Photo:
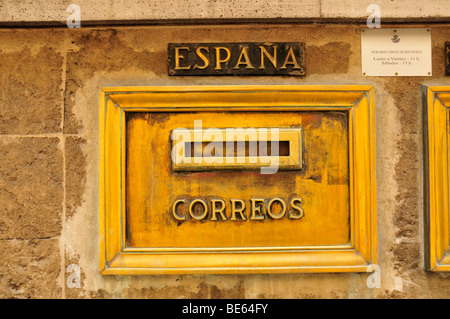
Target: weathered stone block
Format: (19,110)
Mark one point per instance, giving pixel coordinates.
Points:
(31,188)
(29,268)
(31,97)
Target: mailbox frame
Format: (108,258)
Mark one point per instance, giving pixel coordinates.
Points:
(357,256)
(436,174)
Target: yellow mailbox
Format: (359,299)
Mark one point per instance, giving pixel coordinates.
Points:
(237,179)
(436,168)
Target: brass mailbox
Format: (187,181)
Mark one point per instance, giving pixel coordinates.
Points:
(436,168)
(292,189)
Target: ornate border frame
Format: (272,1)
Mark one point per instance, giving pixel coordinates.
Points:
(357,256)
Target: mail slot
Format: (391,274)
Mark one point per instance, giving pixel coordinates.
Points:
(236,148)
(237,179)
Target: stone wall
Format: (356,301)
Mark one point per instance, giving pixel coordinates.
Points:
(50,79)
(53,12)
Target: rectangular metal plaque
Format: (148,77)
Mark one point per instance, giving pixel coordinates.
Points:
(396,52)
(180,195)
(285,58)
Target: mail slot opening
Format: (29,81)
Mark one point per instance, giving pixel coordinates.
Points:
(241,149)
(237,148)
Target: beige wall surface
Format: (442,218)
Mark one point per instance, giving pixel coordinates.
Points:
(133,11)
(50,79)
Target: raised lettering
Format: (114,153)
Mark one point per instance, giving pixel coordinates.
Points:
(293,60)
(203,57)
(257,209)
(179,57)
(246,62)
(174,208)
(214,210)
(234,210)
(299,209)
(283,209)
(272,58)
(219,60)
(205,209)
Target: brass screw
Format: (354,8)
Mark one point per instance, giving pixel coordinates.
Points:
(396,73)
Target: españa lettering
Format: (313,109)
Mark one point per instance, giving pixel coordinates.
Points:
(236,59)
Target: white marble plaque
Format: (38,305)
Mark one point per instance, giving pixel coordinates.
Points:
(396,52)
